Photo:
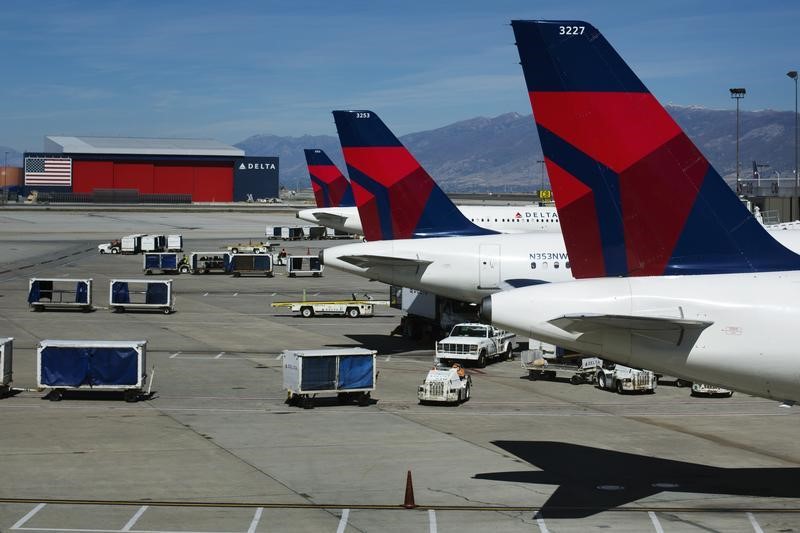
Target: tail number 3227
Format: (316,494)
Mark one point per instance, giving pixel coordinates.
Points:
(571,30)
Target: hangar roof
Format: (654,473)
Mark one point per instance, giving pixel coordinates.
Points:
(138,146)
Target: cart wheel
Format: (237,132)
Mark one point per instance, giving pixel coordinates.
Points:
(291,275)
(131,396)
(307,402)
(363,399)
(257,251)
(576,379)
(148,272)
(166,310)
(620,390)
(317,274)
(56,395)
(307,312)
(234,250)
(343,398)
(681,383)
(353,312)
(237,274)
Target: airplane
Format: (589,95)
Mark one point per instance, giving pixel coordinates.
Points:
(677,276)
(336,207)
(593,480)
(367,142)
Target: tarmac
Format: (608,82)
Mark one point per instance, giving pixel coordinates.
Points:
(216,449)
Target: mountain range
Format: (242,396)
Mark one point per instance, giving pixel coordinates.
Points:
(502,153)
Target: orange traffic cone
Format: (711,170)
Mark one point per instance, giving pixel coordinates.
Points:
(409,501)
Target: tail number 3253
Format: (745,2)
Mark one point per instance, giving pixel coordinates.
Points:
(571,30)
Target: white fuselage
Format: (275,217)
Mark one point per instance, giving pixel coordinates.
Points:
(750,345)
(503,219)
(469,268)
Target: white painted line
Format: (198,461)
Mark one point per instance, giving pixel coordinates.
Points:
(67,530)
(21,521)
(220,354)
(279,356)
(656,523)
(274,294)
(388,358)
(173,356)
(134,518)
(343,521)
(206,294)
(432,521)
(236,294)
(256,520)
(540,522)
(753,522)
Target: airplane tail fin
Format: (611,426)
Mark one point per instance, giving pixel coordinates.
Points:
(396,197)
(331,188)
(635,196)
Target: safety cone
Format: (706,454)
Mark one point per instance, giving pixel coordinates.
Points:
(409,501)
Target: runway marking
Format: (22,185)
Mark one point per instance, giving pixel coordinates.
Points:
(279,356)
(256,520)
(343,521)
(236,294)
(220,354)
(388,358)
(134,518)
(756,527)
(206,294)
(540,522)
(656,523)
(432,521)
(21,522)
(173,356)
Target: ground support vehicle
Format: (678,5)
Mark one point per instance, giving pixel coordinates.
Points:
(251,248)
(60,293)
(154,243)
(579,370)
(348,308)
(125,294)
(63,365)
(304,265)
(625,379)
(313,233)
(132,244)
(331,233)
(475,343)
(704,389)
(350,373)
(6,365)
(286,233)
(428,316)
(174,243)
(165,263)
(206,262)
(445,385)
(113,247)
(255,263)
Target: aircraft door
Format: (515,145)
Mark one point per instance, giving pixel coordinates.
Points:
(489,266)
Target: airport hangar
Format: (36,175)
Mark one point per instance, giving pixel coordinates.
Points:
(190,170)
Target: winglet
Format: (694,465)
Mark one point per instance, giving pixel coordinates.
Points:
(635,196)
(331,188)
(396,197)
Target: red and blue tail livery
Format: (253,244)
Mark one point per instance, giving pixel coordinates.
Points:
(635,196)
(331,188)
(396,197)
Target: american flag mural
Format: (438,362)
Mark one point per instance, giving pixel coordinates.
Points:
(55,171)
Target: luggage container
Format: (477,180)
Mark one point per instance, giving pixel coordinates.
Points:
(206,262)
(304,265)
(126,294)
(165,263)
(6,360)
(132,244)
(63,365)
(314,233)
(60,293)
(174,243)
(154,243)
(331,233)
(347,372)
(260,264)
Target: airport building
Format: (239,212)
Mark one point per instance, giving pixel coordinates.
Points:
(147,169)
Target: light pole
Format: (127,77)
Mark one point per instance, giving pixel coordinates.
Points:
(793,74)
(541,174)
(737,93)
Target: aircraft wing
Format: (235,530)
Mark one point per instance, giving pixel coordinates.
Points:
(367,261)
(670,330)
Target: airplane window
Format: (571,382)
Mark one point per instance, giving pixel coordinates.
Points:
(555,264)
(544,265)
(533,265)
(566,265)
(495,220)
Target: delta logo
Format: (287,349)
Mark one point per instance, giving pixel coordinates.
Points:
(518,215)
(257,166)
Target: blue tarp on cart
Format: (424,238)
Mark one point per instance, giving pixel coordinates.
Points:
(355,371)
(120,293)
(156,294)
(76,366)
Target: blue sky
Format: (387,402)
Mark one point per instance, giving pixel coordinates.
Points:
(228,70)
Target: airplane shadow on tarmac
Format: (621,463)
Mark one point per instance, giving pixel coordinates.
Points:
(387,344)
(592,480)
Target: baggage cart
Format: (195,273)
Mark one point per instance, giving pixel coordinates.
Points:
(579,370)
(206,262)
(165,263)
(154,243)
(60,293)
(304,265)
(174,243)
(314,233)
(6,362)
(125,294)
(132,244)
(348,308)
(63,365)
(349,373)
(260,264)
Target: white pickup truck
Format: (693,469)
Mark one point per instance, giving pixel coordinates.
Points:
(474,342)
